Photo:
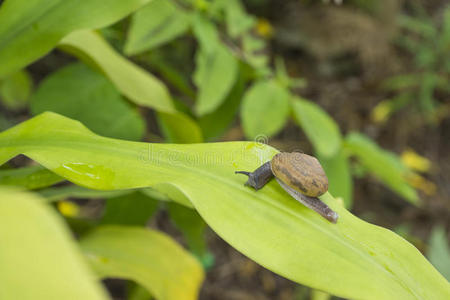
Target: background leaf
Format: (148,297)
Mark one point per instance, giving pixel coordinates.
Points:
(78,92)
(265,109)
(74,191)
(32,27)
(384,165)
(216,68)
(34,177)
(214,76)
(134,208)
(296,242)
(214,124)
(131,80)
(319,127)
(59,272)
(439,251)
(178,128)
(339,176)
(15,89)
(155,24)
(237,20)
(146,256)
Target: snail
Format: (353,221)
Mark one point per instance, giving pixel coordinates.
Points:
(300,175)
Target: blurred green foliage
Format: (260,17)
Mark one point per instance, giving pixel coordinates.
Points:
(429,43)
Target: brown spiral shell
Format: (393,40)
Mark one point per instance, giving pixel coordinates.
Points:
(301,172)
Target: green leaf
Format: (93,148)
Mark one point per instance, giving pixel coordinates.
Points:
(206,33)
(350,259)
(179,128)
(339,176)
(31,28)
(255,53)
(216,123)
(39,258)
(74,191)
(78,92)
(214,76)
(216,68)
(439,251)
(16,89)
(265,109)
(157,23)
(146,256)
(401,82)
(131,80)
(385,165)
(134,208)
(238,21)
(34,177)
(319,127)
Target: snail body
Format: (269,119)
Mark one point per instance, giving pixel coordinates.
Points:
(300,175)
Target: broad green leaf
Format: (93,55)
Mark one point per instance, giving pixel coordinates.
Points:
(130,209)
(319,127)
(216,68)
(31,28)
(146,256)
(34,177)
(15,89)
(189,222)
(385,165)
(339,176)
(80,93)
(265,109)
(131,80)
(350,259)
(439,251)
(39,258)
(155,24)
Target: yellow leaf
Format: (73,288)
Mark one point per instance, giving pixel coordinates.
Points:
(415,161)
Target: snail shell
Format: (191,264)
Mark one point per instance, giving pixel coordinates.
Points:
(301,172)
